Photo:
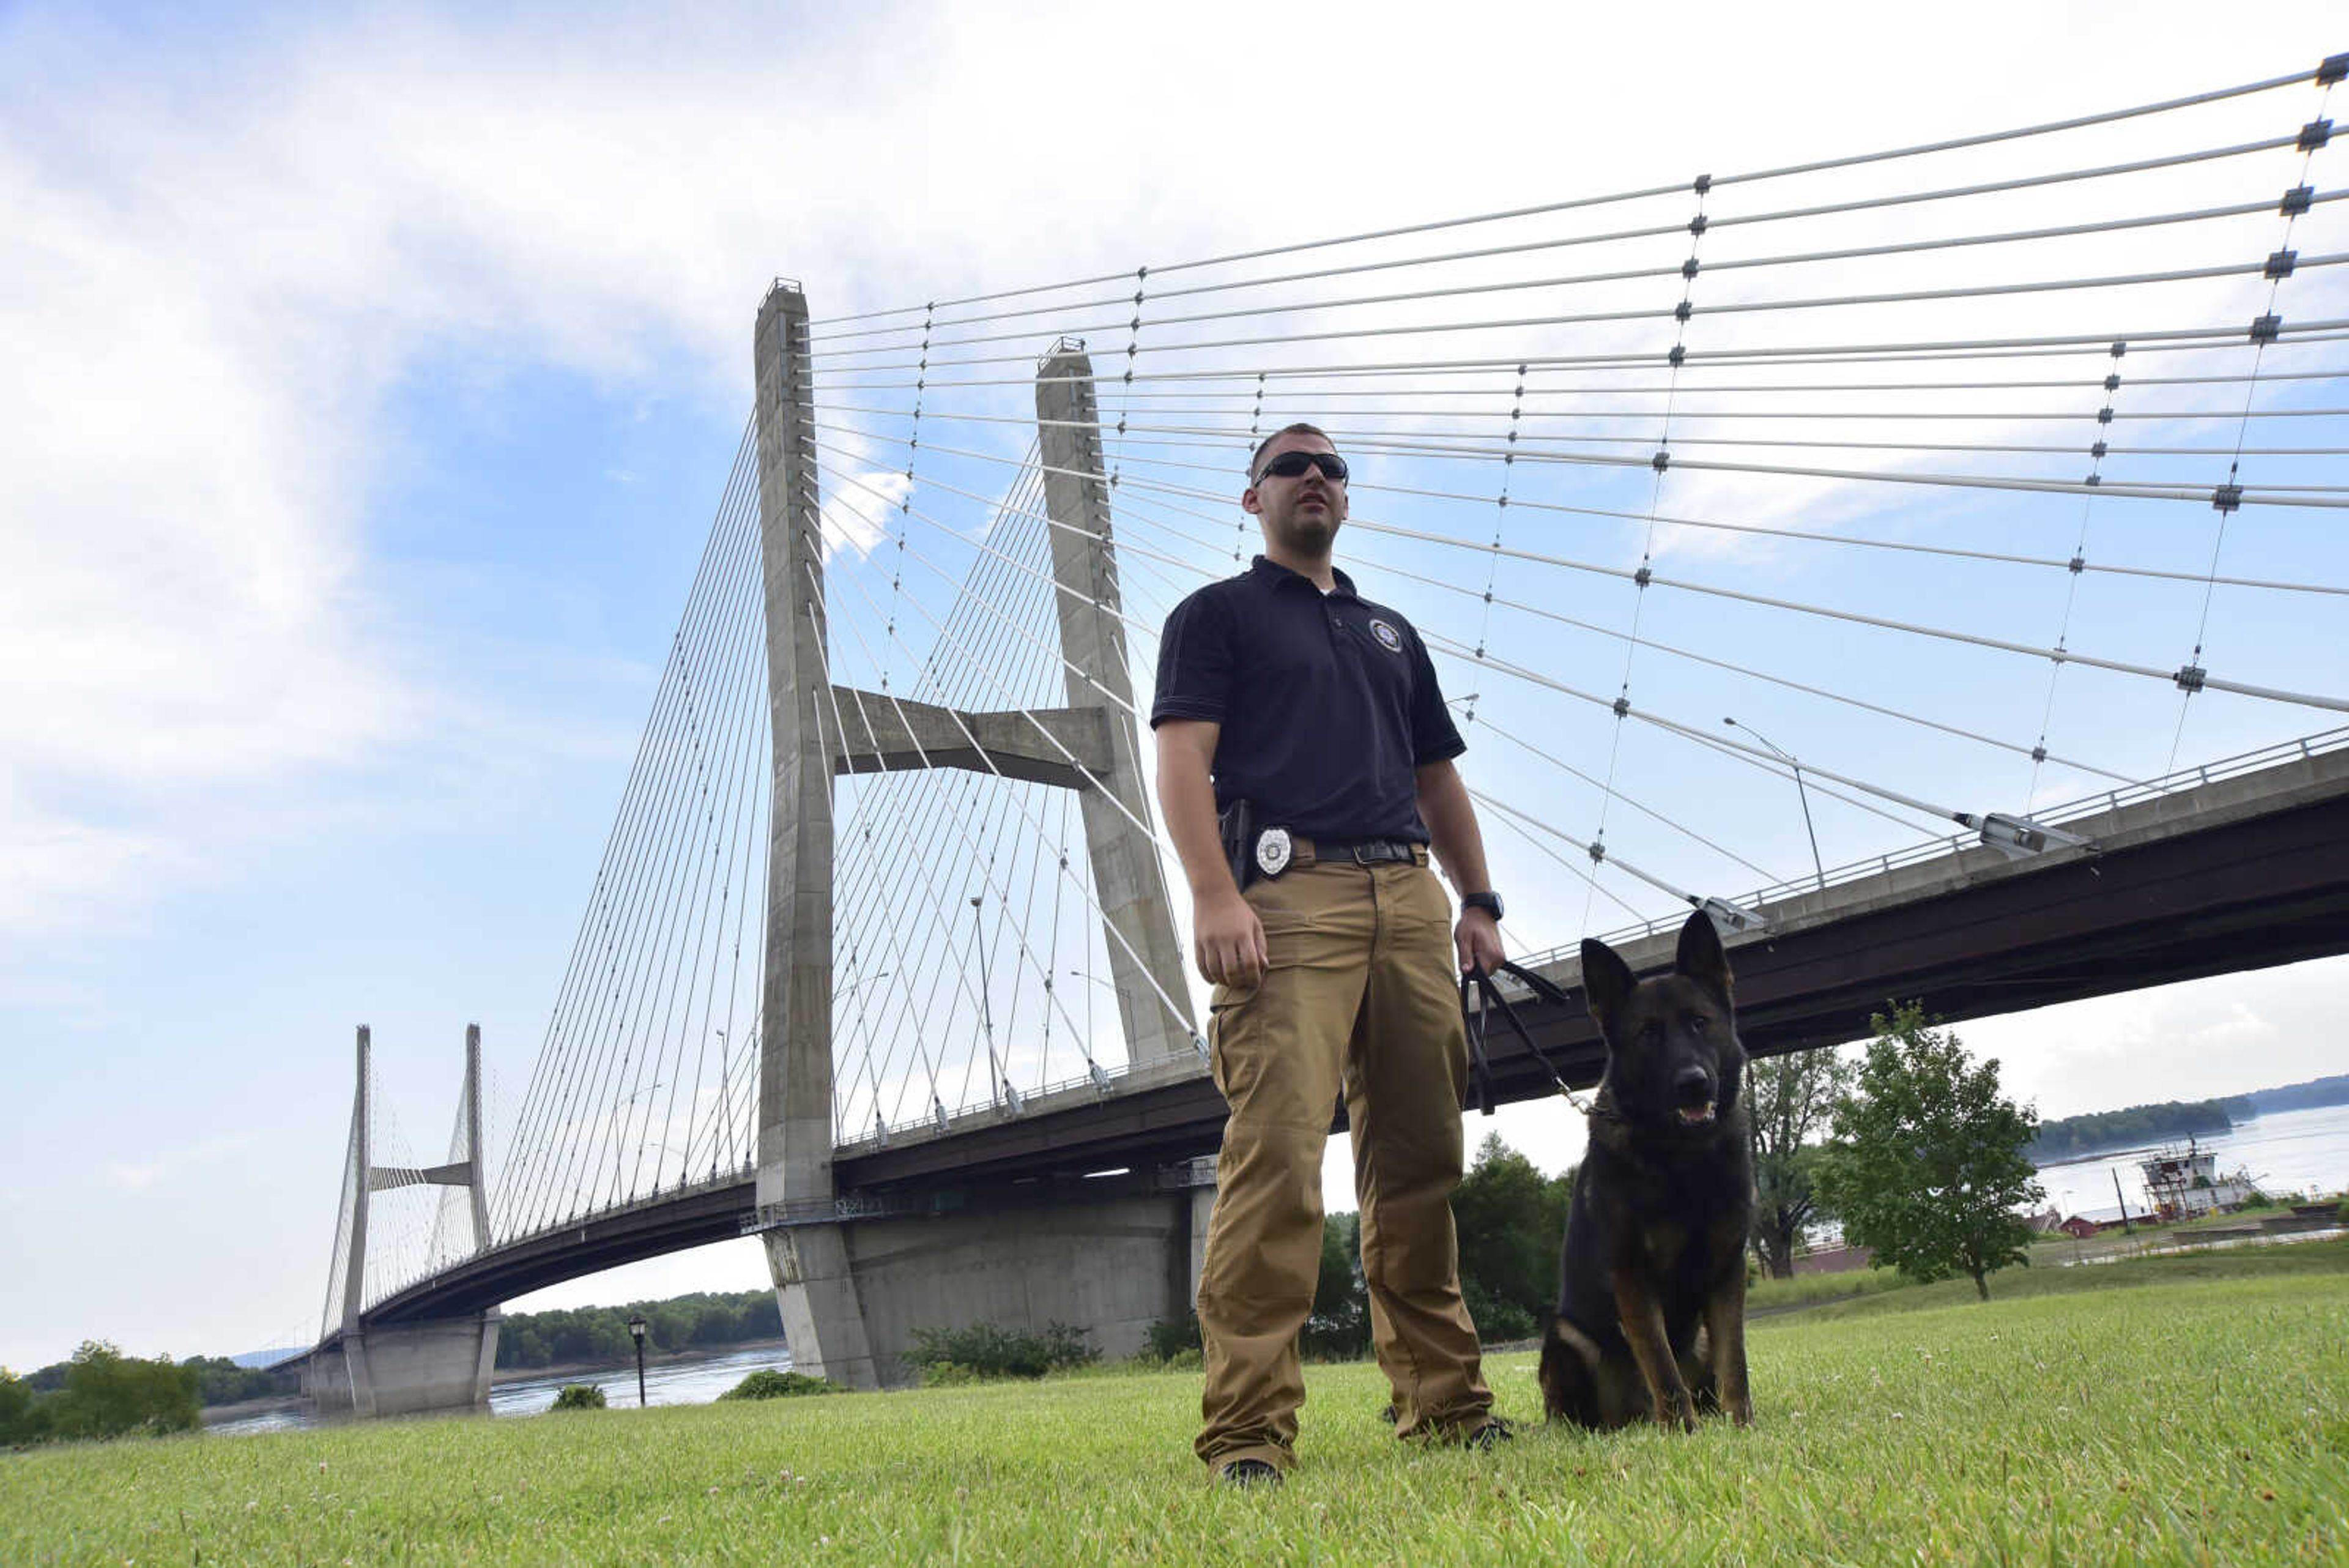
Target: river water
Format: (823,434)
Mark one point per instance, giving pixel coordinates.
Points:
(684,1380)
(2288,1154)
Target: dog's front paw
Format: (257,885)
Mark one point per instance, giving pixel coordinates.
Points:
(1741,1412)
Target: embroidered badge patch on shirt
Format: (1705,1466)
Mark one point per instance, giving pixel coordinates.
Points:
(1389,637)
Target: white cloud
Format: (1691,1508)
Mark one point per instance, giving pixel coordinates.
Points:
(171,1163)
(857,516)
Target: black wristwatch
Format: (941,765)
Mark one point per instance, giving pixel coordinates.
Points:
(1488,902)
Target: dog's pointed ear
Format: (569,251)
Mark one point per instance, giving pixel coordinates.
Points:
(1700,956)
(1605,978)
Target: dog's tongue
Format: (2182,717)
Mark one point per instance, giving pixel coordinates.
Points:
(1697,1115)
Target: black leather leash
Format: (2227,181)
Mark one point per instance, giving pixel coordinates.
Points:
(1478,982)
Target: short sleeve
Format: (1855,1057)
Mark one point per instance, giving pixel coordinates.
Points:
(1195,661)
(1433,737)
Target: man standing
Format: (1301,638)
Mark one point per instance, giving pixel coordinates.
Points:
(1311,716)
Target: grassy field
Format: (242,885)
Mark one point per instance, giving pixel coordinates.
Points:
(2185,1410)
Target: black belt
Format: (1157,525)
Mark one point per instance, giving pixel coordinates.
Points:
(1365,851)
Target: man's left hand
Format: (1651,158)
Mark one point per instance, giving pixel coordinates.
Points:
(1478,939)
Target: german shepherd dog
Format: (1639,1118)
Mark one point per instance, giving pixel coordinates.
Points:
(1655,1238)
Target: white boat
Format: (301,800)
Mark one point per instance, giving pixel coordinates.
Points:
(2185,1183)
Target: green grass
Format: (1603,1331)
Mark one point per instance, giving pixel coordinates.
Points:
(2200,1415)
(1768,1295)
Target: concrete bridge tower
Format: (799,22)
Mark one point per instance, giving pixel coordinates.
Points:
(405,1368)
(851,1294)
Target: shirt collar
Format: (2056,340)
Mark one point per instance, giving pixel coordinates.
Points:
(1276,574)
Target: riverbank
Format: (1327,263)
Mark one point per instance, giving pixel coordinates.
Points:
(1894,1431)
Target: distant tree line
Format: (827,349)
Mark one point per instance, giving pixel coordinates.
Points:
(100,1392)
(2315,1092)
(2135,1127)
(217,1381)
(701,1321)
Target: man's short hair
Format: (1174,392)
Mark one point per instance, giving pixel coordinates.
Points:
(1257,460)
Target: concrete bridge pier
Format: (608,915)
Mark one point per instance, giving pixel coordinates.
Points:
(405,1369)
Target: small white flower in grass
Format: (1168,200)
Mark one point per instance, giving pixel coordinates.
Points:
(713,1491)
(1898,1417)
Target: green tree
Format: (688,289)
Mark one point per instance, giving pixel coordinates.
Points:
(1511,1219)
(108,1393)
(22,1419)
(1789,1100)
(1340,1326)
(1929,1166)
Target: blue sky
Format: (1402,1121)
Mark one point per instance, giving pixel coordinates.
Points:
(373,381)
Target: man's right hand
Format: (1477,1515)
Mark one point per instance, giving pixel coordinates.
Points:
(1227,940)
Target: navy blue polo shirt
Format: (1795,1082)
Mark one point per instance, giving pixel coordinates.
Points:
(1328,703)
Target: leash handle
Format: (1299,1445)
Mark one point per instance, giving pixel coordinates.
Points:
(1478,982)
(1474,1023)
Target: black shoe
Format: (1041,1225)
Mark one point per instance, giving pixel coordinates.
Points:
(1490,1436)
(1247,1475)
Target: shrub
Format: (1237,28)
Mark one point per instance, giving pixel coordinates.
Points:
(985,1350)
(1171,1336)
(578,1397)
(768,1384)
(2344,1214)
(1498,1320)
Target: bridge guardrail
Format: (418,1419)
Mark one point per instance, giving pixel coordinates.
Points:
(1947,844)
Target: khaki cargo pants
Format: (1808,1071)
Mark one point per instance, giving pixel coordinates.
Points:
(1361,994)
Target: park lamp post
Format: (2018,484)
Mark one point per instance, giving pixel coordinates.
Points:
(637,1332)
(1801,794)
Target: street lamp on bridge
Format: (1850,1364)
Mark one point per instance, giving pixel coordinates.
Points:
(1801,794)
(1010,1098)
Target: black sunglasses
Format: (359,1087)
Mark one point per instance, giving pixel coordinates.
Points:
(1289,465)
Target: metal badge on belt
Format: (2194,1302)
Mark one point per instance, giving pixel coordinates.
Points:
(1273,851)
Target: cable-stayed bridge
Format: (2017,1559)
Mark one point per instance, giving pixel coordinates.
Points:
(1928,562)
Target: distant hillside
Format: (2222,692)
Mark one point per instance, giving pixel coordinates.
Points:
(2332,1090)
(2068,1137)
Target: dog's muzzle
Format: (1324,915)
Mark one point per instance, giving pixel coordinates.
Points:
(1692,1096)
